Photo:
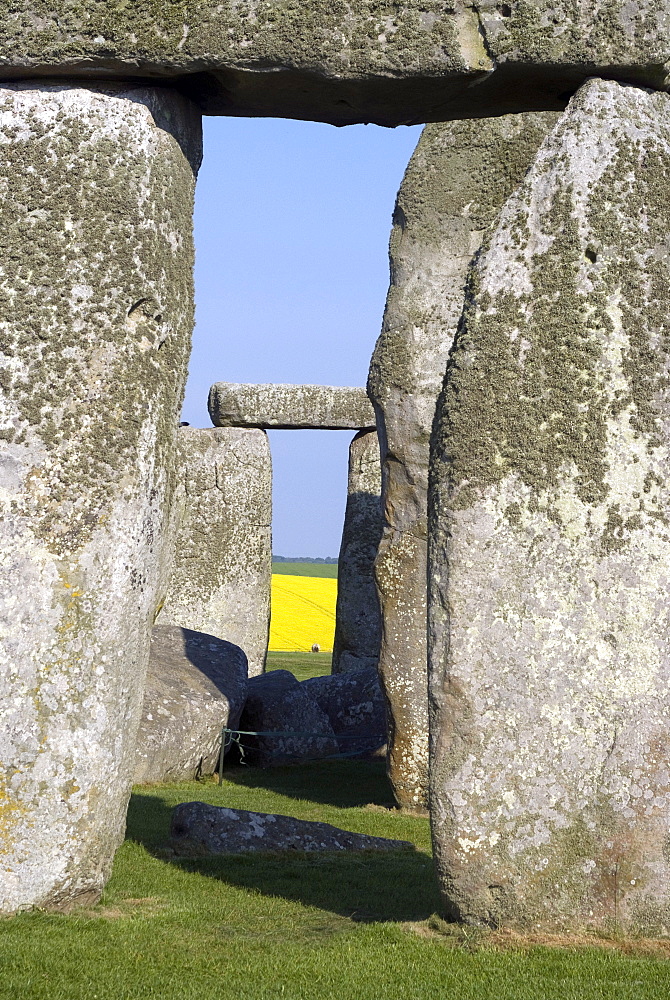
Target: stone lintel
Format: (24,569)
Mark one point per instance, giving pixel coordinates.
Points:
(391,63)
(290,407)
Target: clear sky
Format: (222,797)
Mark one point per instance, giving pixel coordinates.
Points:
(291,228)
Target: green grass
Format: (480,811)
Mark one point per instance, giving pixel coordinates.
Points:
(299,927)
(303,665)
(306,569)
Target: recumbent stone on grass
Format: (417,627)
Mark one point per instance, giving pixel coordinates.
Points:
(200,828)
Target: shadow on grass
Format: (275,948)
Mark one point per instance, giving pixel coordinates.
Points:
(342,783)
(363,886)
(367,887)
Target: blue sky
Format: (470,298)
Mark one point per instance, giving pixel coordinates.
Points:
(291,227)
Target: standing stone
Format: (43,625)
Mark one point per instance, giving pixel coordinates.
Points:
(456,182)
(550,550)
(96,189)
(220,582)
(196,684)
(357,616)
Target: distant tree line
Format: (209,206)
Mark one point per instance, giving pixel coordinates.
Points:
(306,559)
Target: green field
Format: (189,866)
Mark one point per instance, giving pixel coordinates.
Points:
(306,569)
(296,926)
(299,927)
(303,665)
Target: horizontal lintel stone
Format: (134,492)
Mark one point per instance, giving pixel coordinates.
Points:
(390,62)
(291,407)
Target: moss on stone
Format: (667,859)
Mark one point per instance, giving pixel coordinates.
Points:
(79,343)
(526,390)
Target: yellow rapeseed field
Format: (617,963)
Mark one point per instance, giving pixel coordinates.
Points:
(303,613)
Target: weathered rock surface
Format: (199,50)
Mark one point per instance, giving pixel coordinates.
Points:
(278,703)
(355,706)
(549,541)
(290,407)
(96,191)
(455,184)
(357,617)
(196,684)
(220,581)
(198,828)
(388,61)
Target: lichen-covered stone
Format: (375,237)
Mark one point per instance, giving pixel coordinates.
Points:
(392,62)
(455,184)
(357,616)
(277,703)
(290,407)
(196,684)
(220,581)
(96,307)
(550,548)
(199,828)
(356,709)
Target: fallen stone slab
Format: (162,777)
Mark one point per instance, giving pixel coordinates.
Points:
(550,551)
(222,560)
(199,828)
(457,181)
(278,703)
(196,684)
(388,61)
(355,706)
(358,623)
(290,407)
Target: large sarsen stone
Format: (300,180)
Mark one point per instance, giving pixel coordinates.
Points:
(455,184)
(393,62)
(290,407)
(357,616)
(550,541)
(277,703)
(96,309)
(355,706)
(222,565)
(196,684)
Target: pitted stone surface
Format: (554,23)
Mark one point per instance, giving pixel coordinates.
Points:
(455,184)
(222,567)
(278,703)
(198,828)
(196,684)
(355,706)
(357,617)
(96,191)
(383,61)
(290,407)
(549,541)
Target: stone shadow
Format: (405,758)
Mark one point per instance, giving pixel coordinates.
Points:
(342,783)
(365,887)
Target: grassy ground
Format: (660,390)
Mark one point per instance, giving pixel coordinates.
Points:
(306,569)
(303,665)
(297,927)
